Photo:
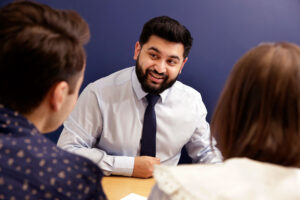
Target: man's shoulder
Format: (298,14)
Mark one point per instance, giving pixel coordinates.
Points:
(37,151)
(117,78)
(63,161)
(59,159)
(185,90)
(42,164)
(110,88)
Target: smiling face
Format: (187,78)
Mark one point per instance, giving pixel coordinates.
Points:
(158,63)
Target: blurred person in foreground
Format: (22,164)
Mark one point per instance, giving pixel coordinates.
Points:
(42,63)
(257,123)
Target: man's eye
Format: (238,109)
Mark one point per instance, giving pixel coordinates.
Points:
(154,56)
(172,62)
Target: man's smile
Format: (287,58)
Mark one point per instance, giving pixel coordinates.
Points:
(155,77)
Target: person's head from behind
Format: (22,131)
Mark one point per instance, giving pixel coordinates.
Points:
(258,113)
(42,60)
(161,53)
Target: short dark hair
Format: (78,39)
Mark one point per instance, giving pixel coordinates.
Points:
(258,113)
(39,47)
(168,29)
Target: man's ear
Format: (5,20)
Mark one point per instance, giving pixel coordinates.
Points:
(137,50)
(183,63)
(58,94)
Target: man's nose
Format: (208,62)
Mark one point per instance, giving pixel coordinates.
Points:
(160,67)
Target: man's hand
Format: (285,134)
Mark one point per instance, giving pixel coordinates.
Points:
(144,166)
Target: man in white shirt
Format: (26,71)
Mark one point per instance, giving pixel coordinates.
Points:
(107,123)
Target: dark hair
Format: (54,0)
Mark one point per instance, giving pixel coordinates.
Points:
(168,29)
(258,113)
(39,46)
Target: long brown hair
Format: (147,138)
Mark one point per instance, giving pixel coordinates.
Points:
(258,113)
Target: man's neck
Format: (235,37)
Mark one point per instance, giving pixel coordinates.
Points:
(39,118)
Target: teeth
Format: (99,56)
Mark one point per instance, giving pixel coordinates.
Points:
(152,74)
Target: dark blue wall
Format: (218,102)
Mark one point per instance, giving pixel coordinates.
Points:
(223,30)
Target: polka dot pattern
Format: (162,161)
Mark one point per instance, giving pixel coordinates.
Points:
(33,167)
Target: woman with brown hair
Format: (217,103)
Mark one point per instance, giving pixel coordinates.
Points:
(258,113)
(257,125)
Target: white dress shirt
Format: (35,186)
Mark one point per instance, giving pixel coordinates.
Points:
(235,179)
(106,124)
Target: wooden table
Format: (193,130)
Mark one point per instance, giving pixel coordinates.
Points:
(117,187)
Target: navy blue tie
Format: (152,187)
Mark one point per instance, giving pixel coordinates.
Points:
(148,141)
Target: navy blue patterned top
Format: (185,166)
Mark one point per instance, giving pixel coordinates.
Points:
(32,167)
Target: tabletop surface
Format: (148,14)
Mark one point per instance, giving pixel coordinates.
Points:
(117,187)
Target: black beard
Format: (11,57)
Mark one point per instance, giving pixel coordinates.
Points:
(143,80)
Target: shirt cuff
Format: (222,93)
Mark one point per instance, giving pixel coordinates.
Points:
(123,166)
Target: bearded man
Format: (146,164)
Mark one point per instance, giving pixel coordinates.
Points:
(141,116)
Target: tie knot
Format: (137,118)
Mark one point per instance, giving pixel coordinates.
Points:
(152,99)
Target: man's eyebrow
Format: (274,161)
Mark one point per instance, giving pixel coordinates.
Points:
(175,57)
(155,49)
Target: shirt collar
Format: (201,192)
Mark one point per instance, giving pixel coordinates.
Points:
(140,93)
(13,120)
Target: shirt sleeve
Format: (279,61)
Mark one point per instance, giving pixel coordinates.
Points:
(83,129)
(199,147)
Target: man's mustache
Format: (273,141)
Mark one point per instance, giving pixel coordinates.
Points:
(156,72)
